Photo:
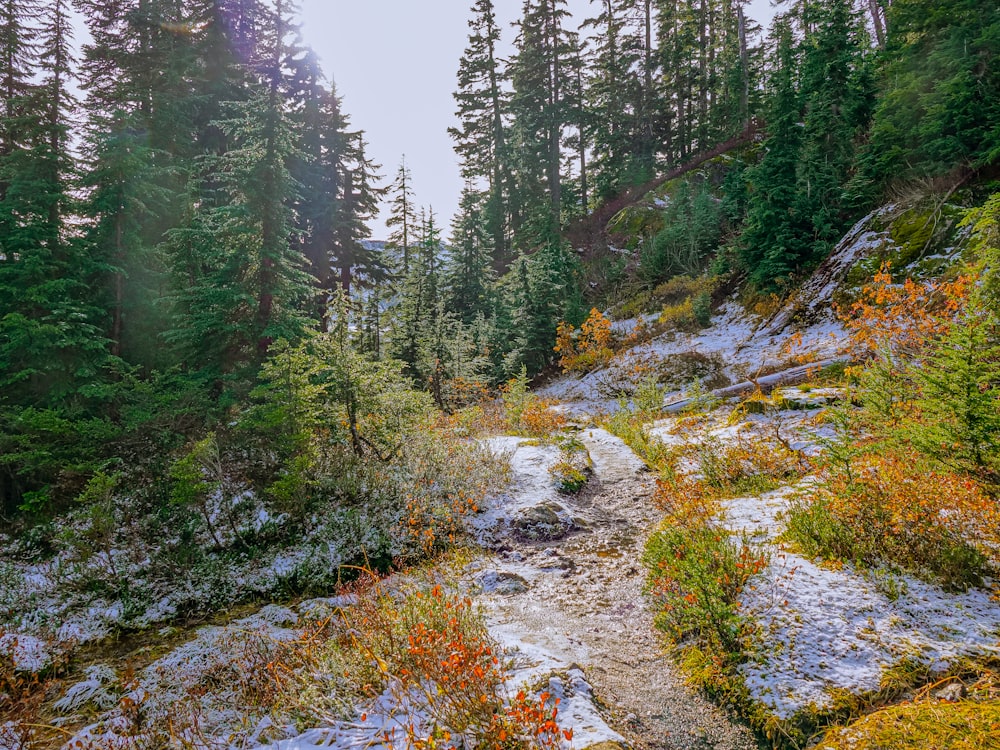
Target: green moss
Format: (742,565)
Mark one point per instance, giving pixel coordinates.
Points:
(912,234)
(635,222)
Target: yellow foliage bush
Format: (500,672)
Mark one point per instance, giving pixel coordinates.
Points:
(587,348)
(680,317)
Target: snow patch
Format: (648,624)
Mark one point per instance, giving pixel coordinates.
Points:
(828,628)
(27,653)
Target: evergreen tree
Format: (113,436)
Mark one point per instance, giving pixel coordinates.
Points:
(240,281)
(353,254)
(835,112)
(481,140)
(615,97)
(691,232)
(677,34)
(18,54)
(544,291)
(319,173)
(960,395)
(469,273)
(402,219)
(419,302)
(941,93)
(773,242)
(49,343)
(539,112)
(136,72)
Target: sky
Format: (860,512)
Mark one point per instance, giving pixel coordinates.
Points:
(394,63)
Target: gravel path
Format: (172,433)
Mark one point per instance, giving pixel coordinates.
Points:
(579,601)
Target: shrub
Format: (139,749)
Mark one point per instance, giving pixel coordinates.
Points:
(526,413)
(444,482)
(431,650)
(572,471)
(747,464)
(885,509)
(695,576)
(680,317)
(586,349)
(649,395)
(678,289)
(965,725)
(632,429)
(890,319)
(701,308)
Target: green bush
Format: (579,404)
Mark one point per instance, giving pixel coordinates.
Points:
(701,307)
(695,575)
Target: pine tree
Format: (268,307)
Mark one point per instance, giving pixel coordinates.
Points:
(941,99)
(402,219)
(678,34)
(773,242)
(481,141)
(18,120)
(834,104)
(319,173)
(136,73)
(420,298)
(352,253)
(49,344)
(539,112)
(615,96)
(240,282)
(18,55)
(469,273)
(545,291)
(960,392)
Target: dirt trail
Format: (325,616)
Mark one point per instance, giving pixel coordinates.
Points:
(579,601)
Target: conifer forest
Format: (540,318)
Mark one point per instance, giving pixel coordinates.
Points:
(683,432)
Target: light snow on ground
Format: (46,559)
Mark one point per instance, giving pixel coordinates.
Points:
(531,483)
(736,346)
(395,717)
(758,518)
(825,628)
(211,665)
(27,653)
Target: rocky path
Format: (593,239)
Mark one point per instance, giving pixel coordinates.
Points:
(577,601)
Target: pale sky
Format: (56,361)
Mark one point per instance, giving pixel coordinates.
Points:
(394,63)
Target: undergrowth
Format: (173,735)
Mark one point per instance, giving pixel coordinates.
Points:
(889,509)
(430,650)
(696,570)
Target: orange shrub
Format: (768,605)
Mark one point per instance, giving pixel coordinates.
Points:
(588,348)
(426,642)
(888,509)
(539,420)
(903,318)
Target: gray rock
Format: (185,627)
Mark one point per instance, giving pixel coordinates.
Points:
(952,692)
(501,582)
(542,523)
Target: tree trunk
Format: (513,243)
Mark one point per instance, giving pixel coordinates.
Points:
(744,67)
(878,22)
(555,117)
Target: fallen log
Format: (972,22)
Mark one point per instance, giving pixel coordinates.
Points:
(766,384)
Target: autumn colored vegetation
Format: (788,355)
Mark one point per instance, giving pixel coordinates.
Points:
(428,648)
(586,349)
(913,483)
